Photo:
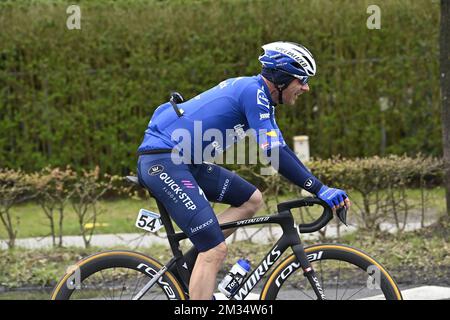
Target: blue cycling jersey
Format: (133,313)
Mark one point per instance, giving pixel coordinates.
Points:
(203,126)
(216,119)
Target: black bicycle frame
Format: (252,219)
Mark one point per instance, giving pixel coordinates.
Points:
(181,265)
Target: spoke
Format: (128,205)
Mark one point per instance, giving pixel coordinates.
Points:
(302,291)
(337,282)
(123,284)
(155,296)
(114,269)
(104,281)
(312,298)
(321,277)
(356,293)
(138,282)
(345,291)
(96,288)
(99,290)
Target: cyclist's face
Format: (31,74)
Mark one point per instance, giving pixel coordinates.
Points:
(291,93)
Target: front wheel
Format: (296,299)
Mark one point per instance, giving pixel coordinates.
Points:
(345,273)
(116,275)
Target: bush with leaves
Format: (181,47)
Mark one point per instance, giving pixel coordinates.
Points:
(54,188)
(89,187)
(381,182)
(15,187)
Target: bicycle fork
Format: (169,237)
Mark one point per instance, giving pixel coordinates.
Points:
(308,271)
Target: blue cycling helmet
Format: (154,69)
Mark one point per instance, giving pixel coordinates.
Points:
(282,62)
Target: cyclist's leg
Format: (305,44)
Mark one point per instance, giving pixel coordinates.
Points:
(224,186)
(175,187)
(204,274)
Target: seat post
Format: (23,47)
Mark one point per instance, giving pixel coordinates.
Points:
(191,255)
(170,231)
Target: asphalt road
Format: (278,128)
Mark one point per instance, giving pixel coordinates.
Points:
(412,293)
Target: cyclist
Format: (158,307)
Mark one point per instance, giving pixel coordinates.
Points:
(185,187)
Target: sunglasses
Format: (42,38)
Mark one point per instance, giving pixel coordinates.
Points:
(303,80)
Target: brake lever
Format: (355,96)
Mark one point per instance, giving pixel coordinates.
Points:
(342,215)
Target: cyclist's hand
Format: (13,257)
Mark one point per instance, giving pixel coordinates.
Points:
(335,198)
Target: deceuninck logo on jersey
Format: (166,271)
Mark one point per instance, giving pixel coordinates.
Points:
(261,99)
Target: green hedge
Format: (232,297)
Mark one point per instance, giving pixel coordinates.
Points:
(380,186)
(84,97)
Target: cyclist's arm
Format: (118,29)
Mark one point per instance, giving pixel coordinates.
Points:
(260,118)
(269,138)
(294,156)
(290,167)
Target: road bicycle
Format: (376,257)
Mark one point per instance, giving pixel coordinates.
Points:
(318,272)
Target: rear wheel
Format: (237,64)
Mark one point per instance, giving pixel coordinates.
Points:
(116,275)
(345,273)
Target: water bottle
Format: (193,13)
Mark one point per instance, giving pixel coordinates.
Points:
(234,278)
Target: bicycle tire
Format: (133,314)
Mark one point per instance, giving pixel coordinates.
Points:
(98,262)
(353,256)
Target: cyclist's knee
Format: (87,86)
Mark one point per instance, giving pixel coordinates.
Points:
(255,202)
(215,255)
